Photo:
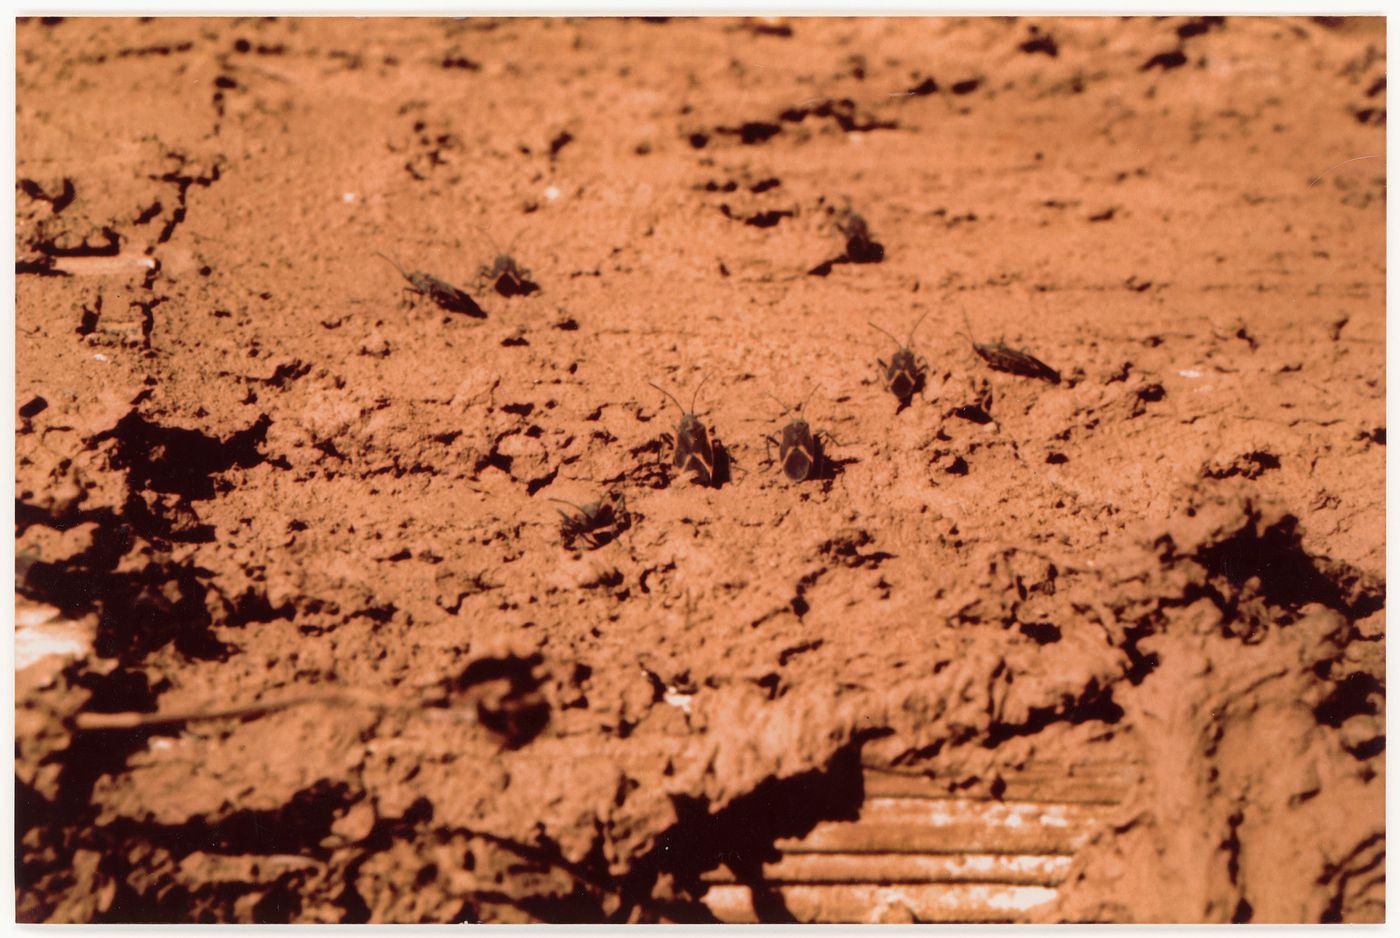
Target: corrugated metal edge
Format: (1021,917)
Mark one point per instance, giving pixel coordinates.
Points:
(918,853)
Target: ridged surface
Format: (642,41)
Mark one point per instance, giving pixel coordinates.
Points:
(917,853)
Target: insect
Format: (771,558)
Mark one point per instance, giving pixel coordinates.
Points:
(999,357)
(507,276)
(800,449)
(861,248)
(904,375)
(597,523)
(440,292)
(694,450)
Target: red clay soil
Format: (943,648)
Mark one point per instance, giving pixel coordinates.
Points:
(259,477)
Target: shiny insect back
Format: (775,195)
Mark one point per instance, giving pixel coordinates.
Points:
(440,292)
(905,372)
(694,451)
(800,450)
(1001,357)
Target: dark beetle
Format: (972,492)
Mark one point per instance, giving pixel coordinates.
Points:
(597,523)
(1000,357)
(904,374)
(861,248)
(800,449)
(507,276)
(440,292)
(694,451)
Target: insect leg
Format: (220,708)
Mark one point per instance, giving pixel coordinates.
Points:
(729,464)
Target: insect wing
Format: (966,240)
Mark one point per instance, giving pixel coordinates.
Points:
(1001,358)
(694,453)
(1038,369)
(684,442)
(903,383)
(799,451)
(904,374)
(458,301)
(798,464)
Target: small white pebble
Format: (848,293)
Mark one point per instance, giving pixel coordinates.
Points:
(551,193)
(676,699)
(100,357)
(150,262)
(347,197)
(1189,373)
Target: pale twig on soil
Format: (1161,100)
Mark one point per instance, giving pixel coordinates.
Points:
(135,720)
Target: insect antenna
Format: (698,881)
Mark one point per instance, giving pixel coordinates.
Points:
(496,247)
(779,402)
(968,324)
(788,408)
(670,395)
(396,264)
(917,324)
(878,329)
(696,396)
(510,245)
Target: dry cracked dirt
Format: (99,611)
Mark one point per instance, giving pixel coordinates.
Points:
(299,638)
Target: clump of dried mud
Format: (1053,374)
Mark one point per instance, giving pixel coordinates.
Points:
(250,479)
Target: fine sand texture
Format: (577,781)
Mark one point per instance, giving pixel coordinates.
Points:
(1088,627)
